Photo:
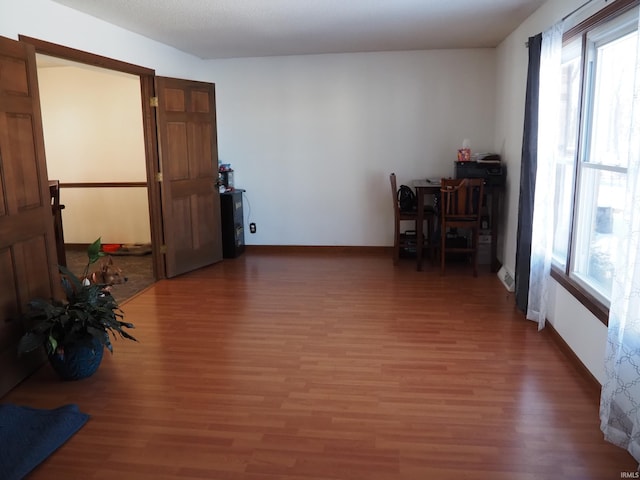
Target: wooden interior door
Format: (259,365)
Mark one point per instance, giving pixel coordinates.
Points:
(187,137)
(27,245)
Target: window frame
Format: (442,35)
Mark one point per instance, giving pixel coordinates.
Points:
(561,273)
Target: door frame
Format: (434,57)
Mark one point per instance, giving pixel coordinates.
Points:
(147,90)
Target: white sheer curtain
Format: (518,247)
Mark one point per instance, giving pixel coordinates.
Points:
(620,399)
(543,203)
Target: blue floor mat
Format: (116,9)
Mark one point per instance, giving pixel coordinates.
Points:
(29,435)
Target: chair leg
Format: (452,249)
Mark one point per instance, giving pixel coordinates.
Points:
(475,263)
(396,245)
(442,252)
(396,251)
(429,236)
(474,258)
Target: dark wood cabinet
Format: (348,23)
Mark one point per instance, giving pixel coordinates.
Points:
(232,219)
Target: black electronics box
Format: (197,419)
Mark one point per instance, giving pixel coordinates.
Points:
(494,173)
(232,221)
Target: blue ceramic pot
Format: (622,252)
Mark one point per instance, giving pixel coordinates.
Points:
(79,360)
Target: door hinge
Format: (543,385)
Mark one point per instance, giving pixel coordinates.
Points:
(153,101)
(163,249)
(159,177)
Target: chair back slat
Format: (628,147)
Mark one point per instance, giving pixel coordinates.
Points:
(461,196)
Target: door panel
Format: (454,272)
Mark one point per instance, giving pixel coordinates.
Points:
(27,245)
(186,121)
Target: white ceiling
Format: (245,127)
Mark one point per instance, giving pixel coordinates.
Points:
(256,28)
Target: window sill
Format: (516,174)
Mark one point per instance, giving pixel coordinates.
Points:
(595,306)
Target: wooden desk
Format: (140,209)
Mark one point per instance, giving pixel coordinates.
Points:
(423,187)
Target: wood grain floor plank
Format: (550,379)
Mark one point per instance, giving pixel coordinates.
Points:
(329,366)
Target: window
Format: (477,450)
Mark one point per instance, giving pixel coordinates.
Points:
(599,63)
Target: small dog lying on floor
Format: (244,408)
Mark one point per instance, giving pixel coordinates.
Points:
(108,275)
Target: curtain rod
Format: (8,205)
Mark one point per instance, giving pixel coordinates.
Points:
(526,44)
(579,8)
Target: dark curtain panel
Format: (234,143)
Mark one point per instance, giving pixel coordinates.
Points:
(528,174)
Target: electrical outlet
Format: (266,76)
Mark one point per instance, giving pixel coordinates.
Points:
(252,227)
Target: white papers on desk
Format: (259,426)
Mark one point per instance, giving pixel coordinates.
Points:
(486,158)
(434,181)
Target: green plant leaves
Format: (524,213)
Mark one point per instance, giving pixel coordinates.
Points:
(53,344)
(89,311)
(94,251)
(30,341)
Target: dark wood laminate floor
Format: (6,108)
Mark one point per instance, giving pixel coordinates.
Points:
(329,367)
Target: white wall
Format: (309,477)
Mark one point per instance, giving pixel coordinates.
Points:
(92,123)
(583,332)
(52,22)
(313,139)
(93,132)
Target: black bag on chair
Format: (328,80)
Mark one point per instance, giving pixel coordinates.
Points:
(407,199)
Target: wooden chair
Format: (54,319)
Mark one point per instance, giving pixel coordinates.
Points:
(400,239)
(460,208)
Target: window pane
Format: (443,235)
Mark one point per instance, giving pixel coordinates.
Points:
(599,220)
(566,153)
(562,223)
(612,101)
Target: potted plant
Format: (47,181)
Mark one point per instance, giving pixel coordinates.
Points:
(75,331)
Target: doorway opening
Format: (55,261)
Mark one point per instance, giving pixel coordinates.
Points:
(183,200)
(95,149)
